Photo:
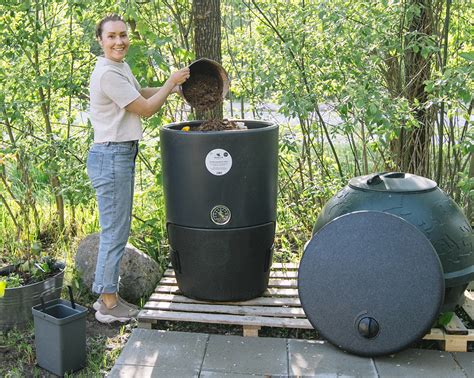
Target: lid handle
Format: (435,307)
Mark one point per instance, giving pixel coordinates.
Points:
(395,175)
(71,297)
(374,180)
(378,177)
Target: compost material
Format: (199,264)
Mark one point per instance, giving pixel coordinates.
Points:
(203,90)
(220,125)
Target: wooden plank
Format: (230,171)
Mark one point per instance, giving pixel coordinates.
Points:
(278,307)
(285,266)
(169,273)
(224,319)
(168,281)
(259,301)
(455,343)
(270,292)
(452,343)
(145,325)
(434,334)
(272,282)
(288,274)
(468,305)
(455,327)
(251,331)
(226,309)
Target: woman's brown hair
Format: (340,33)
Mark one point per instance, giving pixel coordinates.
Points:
(100,24)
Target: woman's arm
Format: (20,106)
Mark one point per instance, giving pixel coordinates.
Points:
(147,106)
(150,91)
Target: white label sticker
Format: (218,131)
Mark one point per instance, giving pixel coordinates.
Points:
(218,162)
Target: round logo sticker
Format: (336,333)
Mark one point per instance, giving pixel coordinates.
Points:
(218,162)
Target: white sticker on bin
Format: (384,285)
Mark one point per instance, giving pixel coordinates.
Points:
(218,162)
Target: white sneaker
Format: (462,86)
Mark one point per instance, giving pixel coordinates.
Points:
(98,302)
(120,313)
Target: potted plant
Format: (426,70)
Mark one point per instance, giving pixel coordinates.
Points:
(23,281)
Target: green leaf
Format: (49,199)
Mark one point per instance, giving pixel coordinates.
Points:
(372,109)
(3,286)
(429,87)
(445,318)
(467,55)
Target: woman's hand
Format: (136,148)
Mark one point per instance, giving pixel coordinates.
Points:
(180,76)
(178,90)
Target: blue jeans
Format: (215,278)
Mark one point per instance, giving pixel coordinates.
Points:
(111,169)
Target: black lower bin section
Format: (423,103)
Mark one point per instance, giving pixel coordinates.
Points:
(222,264)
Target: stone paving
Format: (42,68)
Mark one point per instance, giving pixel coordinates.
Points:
(155,353)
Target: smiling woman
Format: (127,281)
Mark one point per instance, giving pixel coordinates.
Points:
(113,38)
(117,102)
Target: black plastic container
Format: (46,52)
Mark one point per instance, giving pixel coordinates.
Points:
(422,203)
(220,193)
(60,336)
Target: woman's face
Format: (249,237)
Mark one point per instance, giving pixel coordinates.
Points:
(114,40)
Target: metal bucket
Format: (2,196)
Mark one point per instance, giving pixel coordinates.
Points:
(16,304)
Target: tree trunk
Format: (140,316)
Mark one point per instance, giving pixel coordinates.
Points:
(45,109)
(411,151)
(207,40)
(415,151)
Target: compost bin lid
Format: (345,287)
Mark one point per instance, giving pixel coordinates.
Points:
(370,283)
(394,182)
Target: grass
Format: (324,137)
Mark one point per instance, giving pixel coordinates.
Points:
(103,346)
(103,342)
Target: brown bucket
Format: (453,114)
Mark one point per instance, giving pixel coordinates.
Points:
(207,85)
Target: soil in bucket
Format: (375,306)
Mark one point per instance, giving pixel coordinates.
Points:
(203,90)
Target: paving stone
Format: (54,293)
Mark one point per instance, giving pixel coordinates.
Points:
(215,374)
(127,371)
(170,350)
(419,363)
(317,358)
(466,360)
(246,355)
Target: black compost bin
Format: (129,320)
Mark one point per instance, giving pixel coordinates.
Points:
(422,203)
(389,252)
(220,193)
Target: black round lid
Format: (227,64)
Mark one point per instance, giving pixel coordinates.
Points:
(393,182)
(370,283)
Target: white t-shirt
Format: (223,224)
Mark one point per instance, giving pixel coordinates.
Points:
(112,88)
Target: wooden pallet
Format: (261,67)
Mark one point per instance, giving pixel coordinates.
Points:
(455,335)
(278,307)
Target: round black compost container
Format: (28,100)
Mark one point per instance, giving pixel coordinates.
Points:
(422,203)
(370,283)
(389,252)
(220,192)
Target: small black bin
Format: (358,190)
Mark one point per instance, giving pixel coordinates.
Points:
(220,193)
(60,336)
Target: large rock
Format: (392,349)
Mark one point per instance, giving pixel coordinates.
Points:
(139,274)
